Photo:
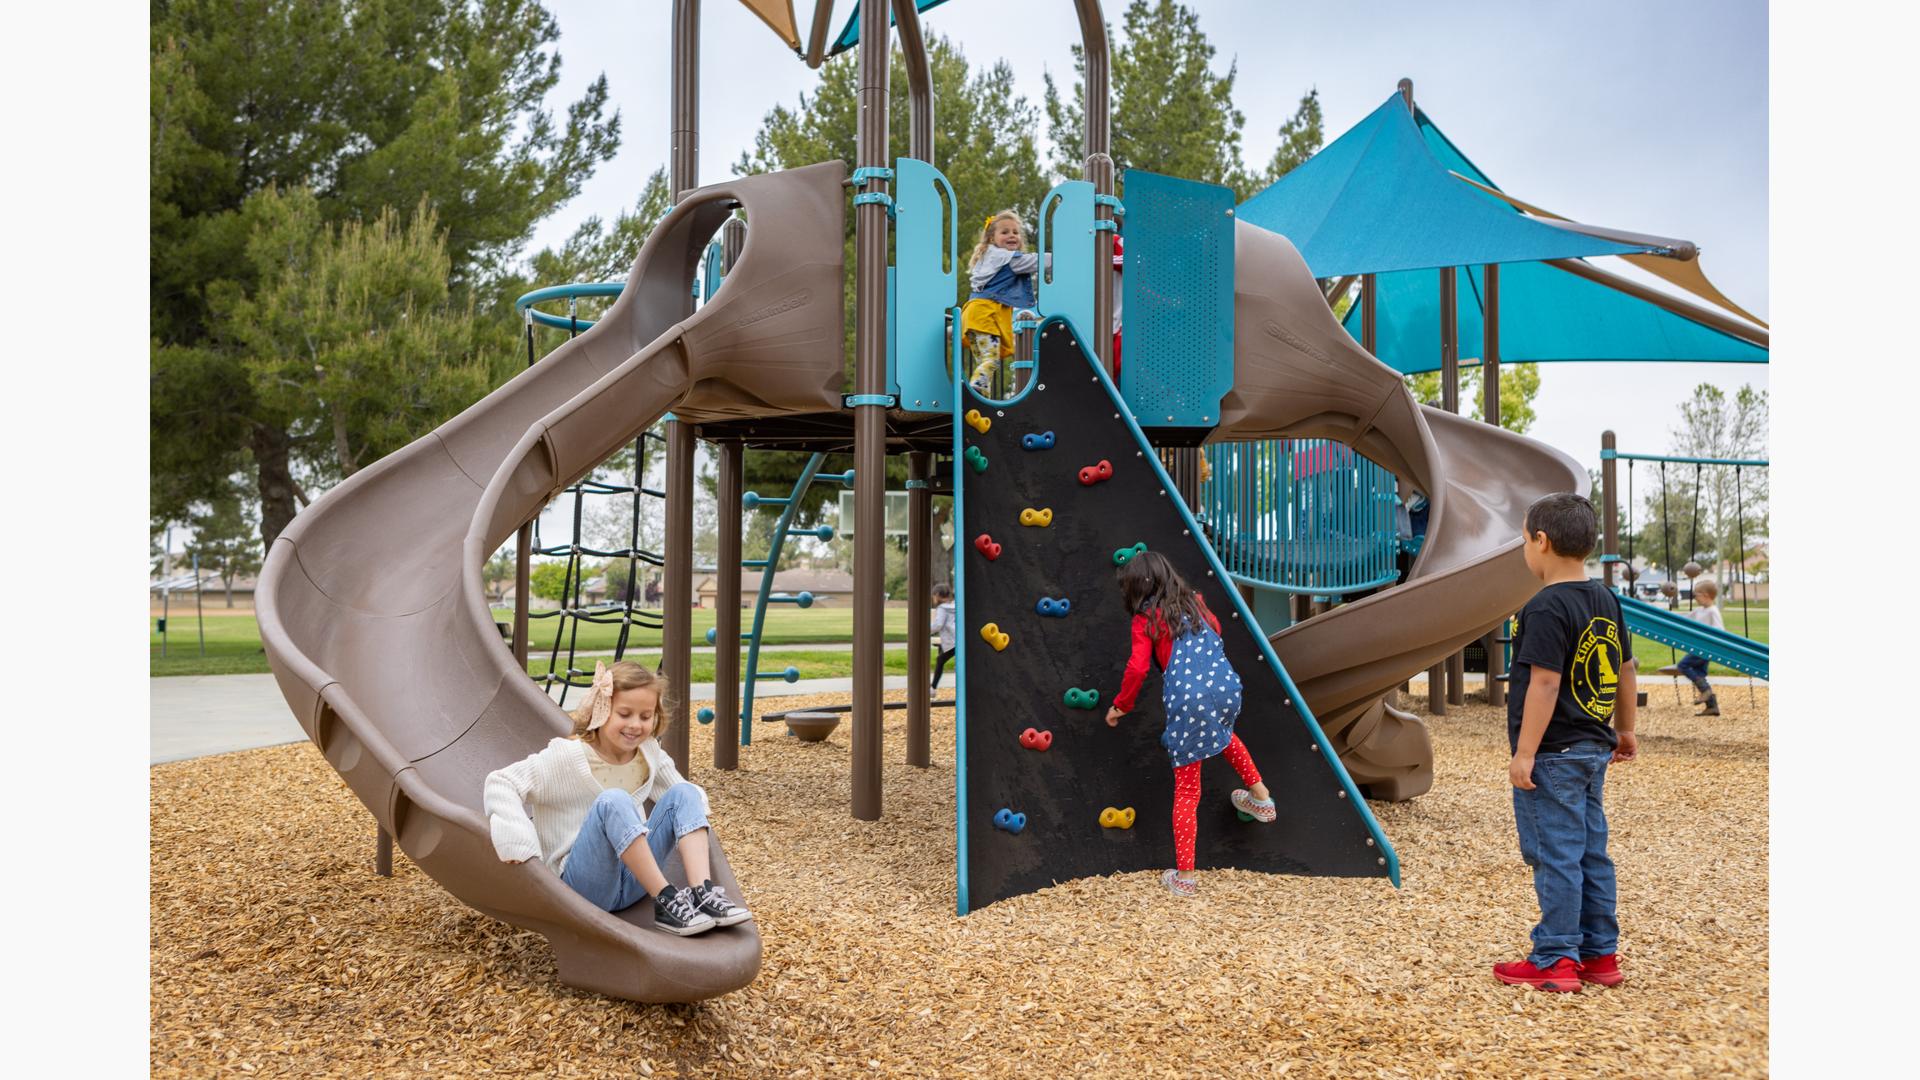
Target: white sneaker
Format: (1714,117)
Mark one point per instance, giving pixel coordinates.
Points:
(1258,809)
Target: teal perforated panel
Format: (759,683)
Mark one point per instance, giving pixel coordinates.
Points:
(1176,300)
(1066,233)
(711,272)
(922,286)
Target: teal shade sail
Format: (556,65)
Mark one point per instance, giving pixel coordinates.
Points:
(1377,200)
(850,34)
(1546,315)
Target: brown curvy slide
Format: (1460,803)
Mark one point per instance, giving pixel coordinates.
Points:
(371,605)
(1298,374)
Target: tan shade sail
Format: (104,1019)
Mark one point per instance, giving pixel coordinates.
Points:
(1684,273)
(777,14)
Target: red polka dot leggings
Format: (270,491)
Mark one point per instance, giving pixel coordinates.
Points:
(1186,798)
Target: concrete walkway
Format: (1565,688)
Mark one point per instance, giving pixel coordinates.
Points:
(195,715)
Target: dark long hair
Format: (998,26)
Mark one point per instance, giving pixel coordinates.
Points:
(1152,587)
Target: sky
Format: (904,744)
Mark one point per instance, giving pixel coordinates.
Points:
(1638,115)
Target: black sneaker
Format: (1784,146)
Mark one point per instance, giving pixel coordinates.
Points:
(713,902)
(677,912)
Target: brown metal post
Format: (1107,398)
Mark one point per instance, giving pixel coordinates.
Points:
(817,39)
(1369,315)
(1406,92)
(1610,544)
(870,420)
(1454,667)
(683,167)
(522,581)
(1490,349)
(920,544)
(383,852)
(913,49)
(726,609)
(1098,169)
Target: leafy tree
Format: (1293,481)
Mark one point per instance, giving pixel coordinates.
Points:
(1712,424)
(225,538)
(548,580)
(1519,385)
(367,104)
(1300,138)
(499,573)
(1171,113)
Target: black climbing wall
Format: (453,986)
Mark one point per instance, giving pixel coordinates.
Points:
(1323,828)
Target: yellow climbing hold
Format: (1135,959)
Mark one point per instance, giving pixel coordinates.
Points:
(992,635)
(977,422)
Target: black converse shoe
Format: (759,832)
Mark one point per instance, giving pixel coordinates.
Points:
(677,912)
(712,902)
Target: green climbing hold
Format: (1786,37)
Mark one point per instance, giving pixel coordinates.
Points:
(1121,556)
(1082,699)
(1242,815)
(976,459)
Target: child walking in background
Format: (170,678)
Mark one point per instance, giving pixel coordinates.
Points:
(577,806)
(1570,713)
(1202,692)
(1705,592)
(943,626)
(1002,277)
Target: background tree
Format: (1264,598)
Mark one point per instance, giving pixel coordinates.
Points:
(498,574)
(224,541)
(1712,424)
(1300,138)
(1519,385)
(367,104)
(548,580)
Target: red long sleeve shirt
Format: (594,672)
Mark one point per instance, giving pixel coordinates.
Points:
(1152,638)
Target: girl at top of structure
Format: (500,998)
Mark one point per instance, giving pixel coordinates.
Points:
(577,806)
(1201,691)
(1002,276)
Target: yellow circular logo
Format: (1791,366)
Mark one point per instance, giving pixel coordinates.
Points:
(1596,668)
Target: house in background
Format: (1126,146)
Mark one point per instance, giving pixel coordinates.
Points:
(830,588)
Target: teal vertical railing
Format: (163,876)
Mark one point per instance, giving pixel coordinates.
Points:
(1301,516)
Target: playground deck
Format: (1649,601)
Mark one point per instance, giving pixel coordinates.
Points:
(275,946)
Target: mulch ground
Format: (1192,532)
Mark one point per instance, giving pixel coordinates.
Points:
(277,951)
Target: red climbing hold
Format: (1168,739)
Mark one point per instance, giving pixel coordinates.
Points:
(1093,474)
(1036,740)
(984,545)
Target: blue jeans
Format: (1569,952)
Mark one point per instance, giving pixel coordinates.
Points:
(594,869)
(1563,836)
(1695,669)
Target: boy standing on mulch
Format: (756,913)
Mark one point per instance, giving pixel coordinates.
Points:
(1570,713)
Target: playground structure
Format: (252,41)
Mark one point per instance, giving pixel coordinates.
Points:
(380,636)
(1736,651)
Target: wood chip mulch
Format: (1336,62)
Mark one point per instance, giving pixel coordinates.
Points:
(277,951)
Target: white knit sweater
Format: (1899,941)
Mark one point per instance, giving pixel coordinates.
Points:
(557,785)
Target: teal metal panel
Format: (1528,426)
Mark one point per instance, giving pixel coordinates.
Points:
(1177,300)
(922,286)
(1305,516)
(1065,243)
(711,271)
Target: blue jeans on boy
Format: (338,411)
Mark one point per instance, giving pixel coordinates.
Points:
(594,869)
(1695,669)
(1563,836)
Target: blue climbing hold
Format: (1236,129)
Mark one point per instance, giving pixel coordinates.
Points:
(1008,820)
(1053,609)
(705,716)
(1040,441)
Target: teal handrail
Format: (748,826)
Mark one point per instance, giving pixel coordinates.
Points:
(571,291)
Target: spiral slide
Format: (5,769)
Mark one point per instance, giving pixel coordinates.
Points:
(1298,374)
(371,605)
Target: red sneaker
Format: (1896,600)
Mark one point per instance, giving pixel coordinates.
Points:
(1562,978)
(1602,970)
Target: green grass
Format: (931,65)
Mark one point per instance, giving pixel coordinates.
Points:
(233,640)
(1654,656)
(812,665)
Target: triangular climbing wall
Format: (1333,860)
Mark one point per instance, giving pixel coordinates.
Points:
(1054,789)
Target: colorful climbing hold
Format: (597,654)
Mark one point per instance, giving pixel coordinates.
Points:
(1004,818)
(1093,474)
(1037,441)
(1053,609)
(705,716)
(1036,740)
(1242,814)
(1111,818)
(993,636)
(976,421)
(1121,556)
(977,459)
(1039,519)
(1081,699)
(984,545)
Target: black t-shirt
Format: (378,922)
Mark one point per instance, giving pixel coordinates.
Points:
(1576,629)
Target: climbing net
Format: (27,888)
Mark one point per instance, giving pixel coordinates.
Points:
(630,609)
